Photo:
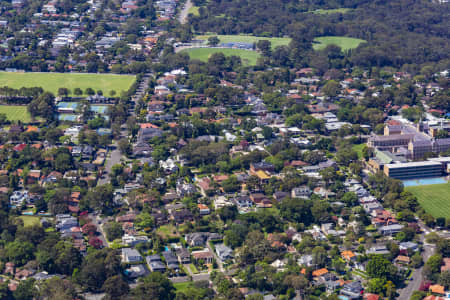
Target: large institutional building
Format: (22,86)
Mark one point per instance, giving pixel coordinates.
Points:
(398,152)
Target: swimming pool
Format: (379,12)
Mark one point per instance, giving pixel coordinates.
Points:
(426,181)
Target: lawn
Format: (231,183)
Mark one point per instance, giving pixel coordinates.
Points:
(248,57)
(331,11)
(275,41)
(358,149)
(194,10)
(435,198)
(193,269)
(30,220)
(346,43)
(182,286)
(16,113)
(53,81)
(167,231)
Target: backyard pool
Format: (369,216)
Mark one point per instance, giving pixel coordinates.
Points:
(427,181)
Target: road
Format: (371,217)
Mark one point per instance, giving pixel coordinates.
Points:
(182,18)
(96,221)
(413,285)
(115,156)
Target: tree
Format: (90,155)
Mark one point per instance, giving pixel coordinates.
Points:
(89,91)
(144,221)
(43,106)
(113,230)
(213,41)
(97,267)
(297,210)
(432,267)
(78,92)
(125,146)
(63,92)
(416,260)
(379,267)
(264,46)
(154,286)
(25,290)
(376,285)
(19,252)
(319,256)
(444,279)
(57,288)
(115,287)
(331,88)
(101,197)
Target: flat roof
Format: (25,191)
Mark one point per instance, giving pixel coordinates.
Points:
(440,159)
(414,164)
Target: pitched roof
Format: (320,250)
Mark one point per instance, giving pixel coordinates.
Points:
(438,289)
(319,272)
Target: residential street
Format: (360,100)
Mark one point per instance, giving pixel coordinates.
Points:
(414,284)
(184,12)
(96,221)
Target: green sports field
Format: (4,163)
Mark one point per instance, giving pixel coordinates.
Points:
(16,113)
(248,57)
(346,43)
(53,81)
(275,41)
(435,198)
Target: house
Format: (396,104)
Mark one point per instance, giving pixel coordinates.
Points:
(199,239)
(348,255)
(23,274)
(408,245)
(402,260)
(203,209)
(18,198)
(130,255)
(369,296)
(171,260)
(280,196)
(223,252)
(142,149)
(155,263)
(132,240)
(446,265)
(204,255)
(184,189)
(305,260)
(319,272)
(184,257)
(181,216)
(437,289)
(126,218)
(261,166)
(168,166)
(378,249)
(136,271)
(390,229)
(221,201)
(353,290)
(301,192)
(205,185)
